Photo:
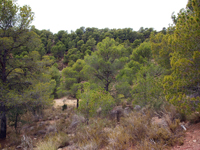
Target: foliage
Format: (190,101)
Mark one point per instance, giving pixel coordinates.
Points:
(103,64)
(72,56)
(55,74)
(147,86)
(184,81)
(92,100)
(58,50)
(72,77)
(160,46)
(142,53)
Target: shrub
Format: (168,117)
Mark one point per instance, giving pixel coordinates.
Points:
(92,100)
(94,135)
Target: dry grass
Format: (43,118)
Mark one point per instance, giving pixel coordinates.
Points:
(136,130)
(69,128)
(53,142)
(94,136)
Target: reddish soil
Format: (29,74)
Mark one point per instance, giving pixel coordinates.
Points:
(192,139)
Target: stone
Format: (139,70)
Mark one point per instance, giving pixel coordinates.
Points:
(127,110)
(19,147)
(41,123)
(41,132)
(31,128)
(137,107)
(51,128)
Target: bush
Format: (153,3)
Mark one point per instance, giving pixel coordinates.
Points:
(94,135)
(92,100)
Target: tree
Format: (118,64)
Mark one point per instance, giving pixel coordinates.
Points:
(15,73)
(142,53)
(125,78)
(72,56)
(103,64)
(72,78)
(182,85)
(58,50)
(55,74)
(147,86)
(160,46)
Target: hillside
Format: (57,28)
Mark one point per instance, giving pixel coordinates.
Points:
(99,88)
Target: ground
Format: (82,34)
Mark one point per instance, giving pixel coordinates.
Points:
(192,138)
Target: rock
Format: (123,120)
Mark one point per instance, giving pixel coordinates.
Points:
(65,144)
(49,118)
(137,107)
(56,117)
(51,128)
(31,128)
(41,132)
(19,147)
(25,127)
(99,110)
(41,123)
(127,110)
(159,121)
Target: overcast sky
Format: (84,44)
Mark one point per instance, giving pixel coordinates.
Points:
(70,15)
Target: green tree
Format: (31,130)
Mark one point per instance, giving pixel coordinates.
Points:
(55,74)
(103,64)
(142,53)
(72,78)
(182,85)
(147,86)
(16,74)
(72,56)
(58,50)
(125,78)
(160,45)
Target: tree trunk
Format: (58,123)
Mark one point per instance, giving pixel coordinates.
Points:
(16,120)
(3,121)
(118,116)
(77,105)
(106,87)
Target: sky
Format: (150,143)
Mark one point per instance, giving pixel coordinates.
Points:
(68,15)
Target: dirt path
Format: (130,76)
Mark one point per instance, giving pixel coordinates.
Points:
(61,101)
(192,139)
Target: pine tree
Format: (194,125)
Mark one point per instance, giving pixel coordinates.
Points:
(182,87)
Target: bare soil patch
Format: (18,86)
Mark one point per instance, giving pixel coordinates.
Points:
(192,139)
(65,100)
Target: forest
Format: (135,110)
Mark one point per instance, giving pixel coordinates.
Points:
(120,79)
